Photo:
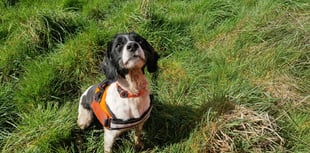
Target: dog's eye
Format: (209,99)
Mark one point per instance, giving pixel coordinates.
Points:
(140,41)
(117,45)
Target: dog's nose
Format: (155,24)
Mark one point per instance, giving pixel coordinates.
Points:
(132,46)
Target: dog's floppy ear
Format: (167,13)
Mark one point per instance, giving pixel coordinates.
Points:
(107,66)
(151,58)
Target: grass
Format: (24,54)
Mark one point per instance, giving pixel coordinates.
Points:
(40,130)
(234,75)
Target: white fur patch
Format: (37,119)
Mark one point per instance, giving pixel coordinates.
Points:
(85,116)
(126,108)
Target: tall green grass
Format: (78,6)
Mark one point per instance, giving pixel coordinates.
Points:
(8,112)
(217,56)
(40,130)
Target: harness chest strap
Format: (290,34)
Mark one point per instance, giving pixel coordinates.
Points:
(99,105)
(106,117)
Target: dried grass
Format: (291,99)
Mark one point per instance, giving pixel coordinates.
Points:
(282,87)
(244,130)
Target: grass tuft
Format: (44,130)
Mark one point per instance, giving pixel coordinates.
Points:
(8,112)
(47,30)
(159,26)
(58,76)
(40,34)
(39,129)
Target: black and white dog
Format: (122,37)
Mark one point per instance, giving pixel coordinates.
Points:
(122,102)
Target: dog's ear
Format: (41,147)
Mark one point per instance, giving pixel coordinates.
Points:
(151,58)
(107,67)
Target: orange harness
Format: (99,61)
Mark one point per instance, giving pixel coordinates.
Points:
(99,106)
(106,116)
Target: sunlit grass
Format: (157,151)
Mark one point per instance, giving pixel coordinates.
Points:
(228,69)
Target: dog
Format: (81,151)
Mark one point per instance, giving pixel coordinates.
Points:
(123,100)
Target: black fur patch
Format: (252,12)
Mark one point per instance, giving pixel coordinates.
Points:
(88,98)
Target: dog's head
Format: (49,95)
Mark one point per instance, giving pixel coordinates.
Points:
(128,51)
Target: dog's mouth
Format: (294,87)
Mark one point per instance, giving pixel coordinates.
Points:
(137,56)
(134,59)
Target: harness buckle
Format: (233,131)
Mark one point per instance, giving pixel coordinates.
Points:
(107,122)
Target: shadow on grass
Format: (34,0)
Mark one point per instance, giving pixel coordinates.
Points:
(169,124)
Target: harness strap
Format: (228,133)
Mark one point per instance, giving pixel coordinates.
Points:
(106,116)
(117,124)
(99,108)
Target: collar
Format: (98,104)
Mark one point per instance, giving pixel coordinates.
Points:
(125,94)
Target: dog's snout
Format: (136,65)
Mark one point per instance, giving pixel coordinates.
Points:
(132,46)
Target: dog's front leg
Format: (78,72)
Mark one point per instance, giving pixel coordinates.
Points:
(138,132)
(109,139)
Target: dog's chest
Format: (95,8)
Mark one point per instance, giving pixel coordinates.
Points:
(126,108)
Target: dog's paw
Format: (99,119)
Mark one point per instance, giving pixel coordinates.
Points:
(107,151)
(82,125)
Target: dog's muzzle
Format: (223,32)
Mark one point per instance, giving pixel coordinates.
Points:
(132,47)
